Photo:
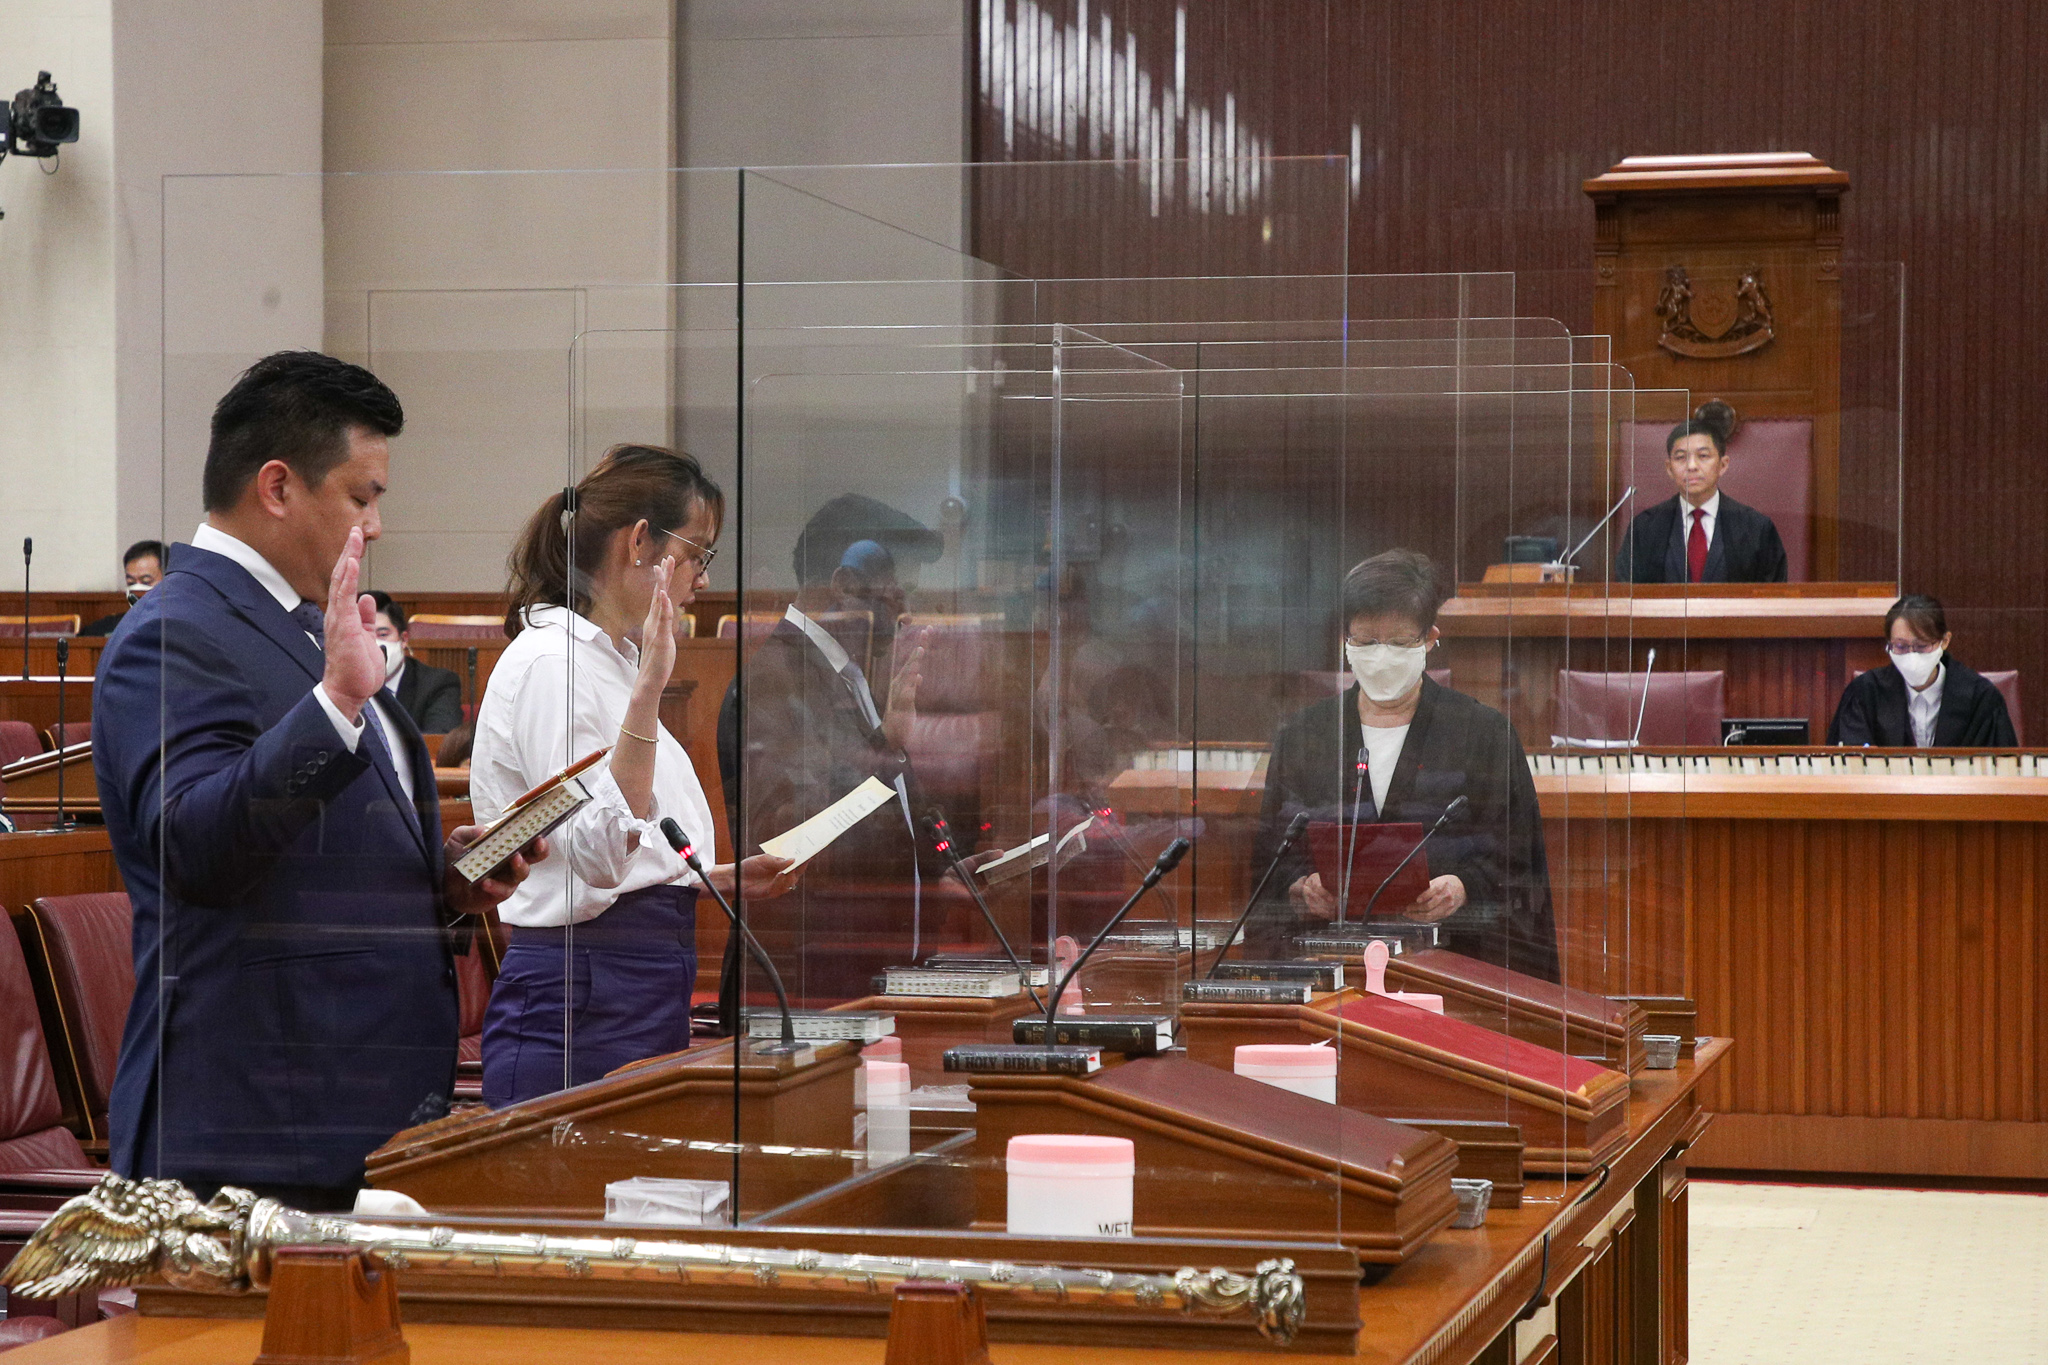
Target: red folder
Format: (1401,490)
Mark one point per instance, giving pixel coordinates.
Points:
(1376,850)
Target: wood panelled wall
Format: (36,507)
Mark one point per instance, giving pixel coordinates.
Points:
(1476,124)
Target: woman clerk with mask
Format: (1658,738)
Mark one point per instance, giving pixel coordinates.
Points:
(1424,747)
(1928,698)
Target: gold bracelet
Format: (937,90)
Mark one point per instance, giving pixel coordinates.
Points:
(644,739)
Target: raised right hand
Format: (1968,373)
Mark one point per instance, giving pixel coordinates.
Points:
(658,634)
(355,665)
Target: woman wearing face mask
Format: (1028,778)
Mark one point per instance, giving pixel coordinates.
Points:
(604,947)
(1927,698)
(1422,747)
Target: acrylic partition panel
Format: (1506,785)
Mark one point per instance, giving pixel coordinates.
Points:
(367,1000)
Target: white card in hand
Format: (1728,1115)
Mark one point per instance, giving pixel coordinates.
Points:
(816,834)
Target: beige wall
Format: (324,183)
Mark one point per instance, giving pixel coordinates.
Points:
(474,295)
(57,334)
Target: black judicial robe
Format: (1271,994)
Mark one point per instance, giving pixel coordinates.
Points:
(1745,547)
(1455,747)
(1972,715)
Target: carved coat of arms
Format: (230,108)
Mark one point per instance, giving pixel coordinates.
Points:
(1713,323)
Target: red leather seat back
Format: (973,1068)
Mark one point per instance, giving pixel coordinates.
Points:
(87,942)
(18,739)
(2007,681)
(1682,708)
(30,1111)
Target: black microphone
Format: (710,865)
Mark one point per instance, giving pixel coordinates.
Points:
(1168,861)
(1364,765)
(680,842)
(63,739)
(942,843)
(28,550)
(1457,805)
(1294,829)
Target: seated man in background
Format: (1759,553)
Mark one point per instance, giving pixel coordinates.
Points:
(1928,698)
(431,696)
(1701,535)
(143,565)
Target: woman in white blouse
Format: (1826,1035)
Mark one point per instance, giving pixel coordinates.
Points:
(603,935)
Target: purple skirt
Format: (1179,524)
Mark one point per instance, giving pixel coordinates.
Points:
(572,1004)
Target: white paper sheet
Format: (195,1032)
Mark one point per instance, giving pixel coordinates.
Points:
(816,834)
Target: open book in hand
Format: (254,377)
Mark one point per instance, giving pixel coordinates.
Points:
(1029,857)
(539,812)
(816,834)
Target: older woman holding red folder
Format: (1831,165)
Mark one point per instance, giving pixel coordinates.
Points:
(1398,748)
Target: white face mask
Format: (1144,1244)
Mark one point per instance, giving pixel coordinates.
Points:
(1386,672)
(394,657)
(135,591)
(1917,669)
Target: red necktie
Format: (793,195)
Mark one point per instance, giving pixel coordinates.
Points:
(1696,546)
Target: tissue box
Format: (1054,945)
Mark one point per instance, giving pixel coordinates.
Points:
(654,1199)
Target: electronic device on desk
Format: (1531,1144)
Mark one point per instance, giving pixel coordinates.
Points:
(1789,732)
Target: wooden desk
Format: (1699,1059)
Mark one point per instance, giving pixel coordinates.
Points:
(35,700)
(1788,649)
(1617,1284)
(55,864)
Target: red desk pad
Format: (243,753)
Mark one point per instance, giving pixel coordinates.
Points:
(1511,1055)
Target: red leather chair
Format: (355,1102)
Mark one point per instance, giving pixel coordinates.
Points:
(959,721)
(69,733)
(32,1134)
(81,958)
(2007,681)
(18,739)
(473,993)
(1682,708)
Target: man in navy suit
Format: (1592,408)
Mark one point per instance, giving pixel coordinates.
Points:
(276,821)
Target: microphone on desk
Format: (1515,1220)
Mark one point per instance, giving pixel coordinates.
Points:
(28,550)
(1457,806)
(1643,707)
(943,844)
(1626,494)
(1168,861)
(1294,829)
(680,842)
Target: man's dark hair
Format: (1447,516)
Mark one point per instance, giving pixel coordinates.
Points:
(295,406)
(1922,614)
(1398,582)
(389,608)
(144,549)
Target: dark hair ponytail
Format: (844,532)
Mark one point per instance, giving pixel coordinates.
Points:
(631,482)
(1713,419)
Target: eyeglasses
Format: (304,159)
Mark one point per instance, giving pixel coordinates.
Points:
(703,556)
(1911,647)
(1415,643)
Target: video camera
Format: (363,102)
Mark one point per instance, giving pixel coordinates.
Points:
(38,121)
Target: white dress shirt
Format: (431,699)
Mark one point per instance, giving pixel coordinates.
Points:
(1383,745)
(559,692)
(1924,706)
(1712,508)
(211,538)
(391,683)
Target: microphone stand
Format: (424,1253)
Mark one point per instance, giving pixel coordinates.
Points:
(1626,494)
(1112,822)
(680,842)
(1294,829)
(942,843)
(1351,838)
(1457,805)
(1643,707)
(1168,861)
(28,550)
(63,739)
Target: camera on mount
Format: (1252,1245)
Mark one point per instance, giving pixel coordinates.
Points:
(38,121)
